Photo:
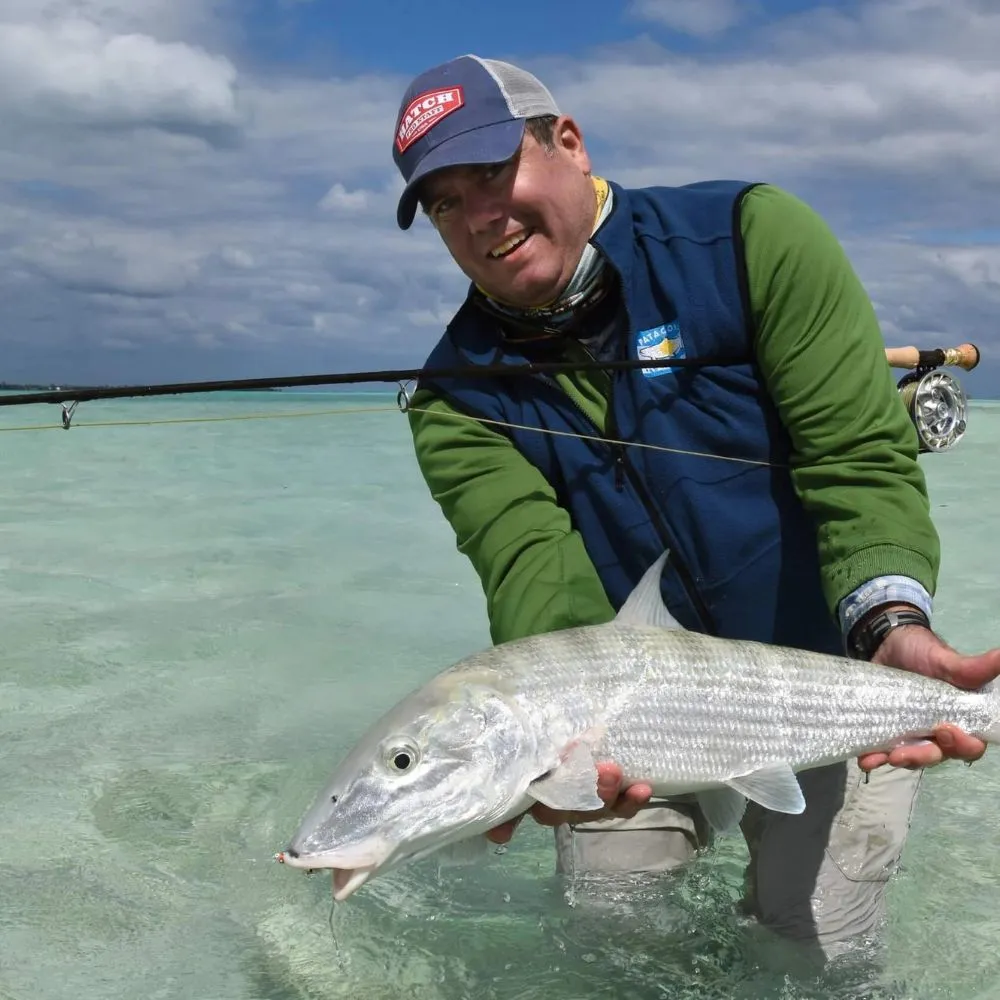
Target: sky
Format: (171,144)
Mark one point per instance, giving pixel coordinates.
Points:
(201,189)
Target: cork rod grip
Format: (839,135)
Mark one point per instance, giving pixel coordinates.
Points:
(964,356)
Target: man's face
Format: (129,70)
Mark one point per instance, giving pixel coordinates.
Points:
(517,229)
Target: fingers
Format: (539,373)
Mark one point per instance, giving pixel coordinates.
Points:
(949,743)
(501,834)
(617,804)
(958,745)
(926,755)
(974,671)
(632,800)
(548,816)
(609,782)
(870,761)
(621,804)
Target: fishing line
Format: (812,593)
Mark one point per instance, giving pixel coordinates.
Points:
(333,933)
(383,409)
(400,376)
(595,437)
(207,420)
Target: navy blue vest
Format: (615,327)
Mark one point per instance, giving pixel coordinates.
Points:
(744,561)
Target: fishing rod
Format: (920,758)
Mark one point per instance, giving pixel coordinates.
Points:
(83,394)
(965,356)
(934,399)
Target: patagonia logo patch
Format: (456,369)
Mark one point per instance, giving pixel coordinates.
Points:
(660,342)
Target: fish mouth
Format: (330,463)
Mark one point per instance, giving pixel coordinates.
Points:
(351,868)
(347,881)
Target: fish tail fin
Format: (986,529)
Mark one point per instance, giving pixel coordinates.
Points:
(991,692)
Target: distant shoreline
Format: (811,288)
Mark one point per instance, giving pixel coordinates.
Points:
(22,387)
(63,387)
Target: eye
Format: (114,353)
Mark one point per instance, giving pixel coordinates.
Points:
(442,207)
(494,170)
(401,758)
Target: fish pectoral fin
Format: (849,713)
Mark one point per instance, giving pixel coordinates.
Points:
(723,808)
(774,787)
(571,784)
(645,604)
(469,851)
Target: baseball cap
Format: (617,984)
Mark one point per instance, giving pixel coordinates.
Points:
(466,111)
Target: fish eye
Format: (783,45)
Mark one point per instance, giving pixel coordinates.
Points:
(401,759)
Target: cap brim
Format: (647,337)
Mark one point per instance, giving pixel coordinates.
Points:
(488,144)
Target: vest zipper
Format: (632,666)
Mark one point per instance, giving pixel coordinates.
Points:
(614,436)
(623,471)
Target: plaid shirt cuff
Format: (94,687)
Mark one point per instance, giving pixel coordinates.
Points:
(881,590)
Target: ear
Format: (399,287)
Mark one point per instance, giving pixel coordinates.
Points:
(569,139)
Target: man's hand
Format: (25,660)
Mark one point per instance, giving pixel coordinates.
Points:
(911,647)
(618,804)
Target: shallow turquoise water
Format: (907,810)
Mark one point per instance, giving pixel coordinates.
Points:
(200,618)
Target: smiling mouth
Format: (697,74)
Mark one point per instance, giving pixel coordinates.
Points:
(509,246)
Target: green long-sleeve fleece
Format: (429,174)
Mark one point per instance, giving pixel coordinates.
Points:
(821,355)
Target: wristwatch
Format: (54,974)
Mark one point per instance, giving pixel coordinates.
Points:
(870,633)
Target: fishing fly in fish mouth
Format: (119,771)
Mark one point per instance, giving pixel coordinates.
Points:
(675,558)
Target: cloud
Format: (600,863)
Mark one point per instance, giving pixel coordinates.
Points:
(692,17)
(900,113)
(937,290)
(73,71)
(167,20)
(338,198)
(171,209)
(120,263)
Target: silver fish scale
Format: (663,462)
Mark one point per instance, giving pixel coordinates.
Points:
(680,707)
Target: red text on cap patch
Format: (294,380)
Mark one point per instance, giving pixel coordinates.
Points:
(424,112)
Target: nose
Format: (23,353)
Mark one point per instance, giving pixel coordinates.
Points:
(483,210)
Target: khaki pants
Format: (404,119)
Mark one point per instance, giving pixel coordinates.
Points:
(818,877)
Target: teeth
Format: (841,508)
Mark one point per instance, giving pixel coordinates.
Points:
(504,248)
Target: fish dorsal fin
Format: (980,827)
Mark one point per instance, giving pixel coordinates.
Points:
(722,807)
(645,604)
(571,784)
(775,787)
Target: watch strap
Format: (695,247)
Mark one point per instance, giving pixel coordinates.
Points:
(871,633)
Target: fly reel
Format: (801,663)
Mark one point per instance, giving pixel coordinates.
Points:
(934,399)
(938,407)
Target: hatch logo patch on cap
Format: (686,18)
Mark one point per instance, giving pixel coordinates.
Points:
(424,112)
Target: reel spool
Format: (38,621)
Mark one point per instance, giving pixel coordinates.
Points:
(938,407)
(935,400)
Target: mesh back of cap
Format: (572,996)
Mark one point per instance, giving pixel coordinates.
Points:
(527,96)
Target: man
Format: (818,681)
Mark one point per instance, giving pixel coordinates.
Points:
(782,474)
